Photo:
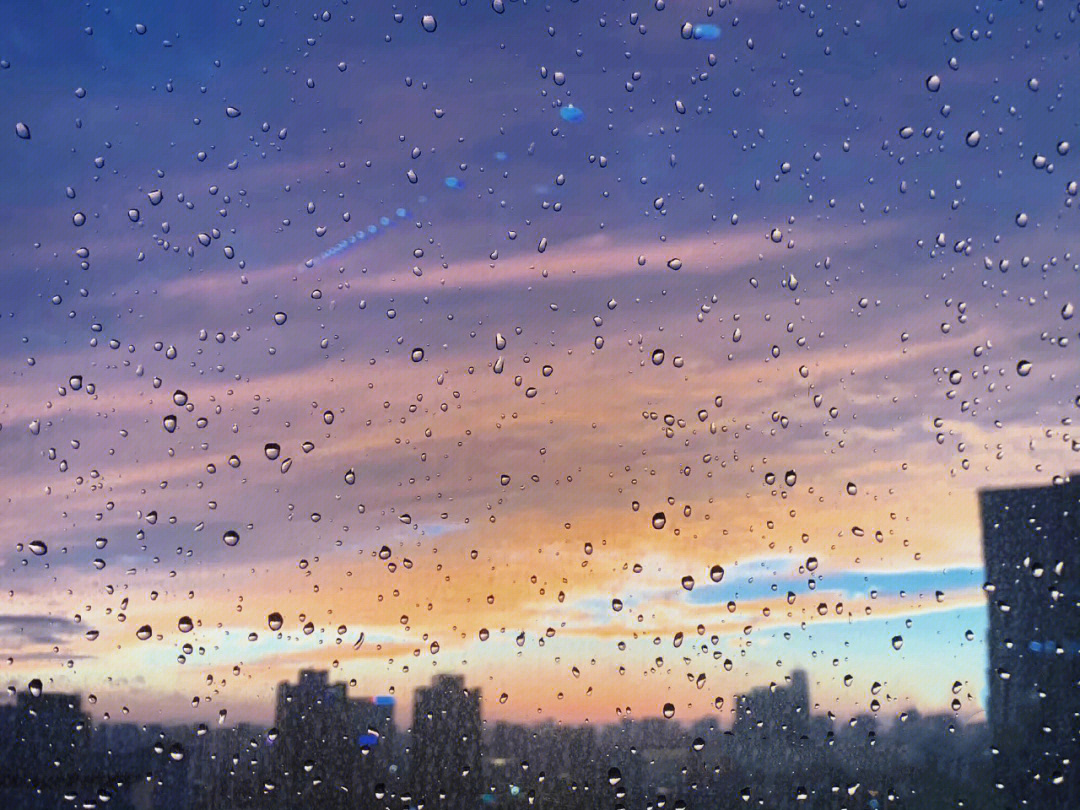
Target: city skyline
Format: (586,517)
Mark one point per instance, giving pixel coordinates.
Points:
(329,750)
(734,346)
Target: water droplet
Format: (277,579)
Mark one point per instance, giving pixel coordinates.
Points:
(429,23)
(144,632)
(417,355)
(180,398)
(973,138)
(659,520)
(669,710)
(274,621)
(897,642)
(185,624)
(272,450)
(23,131)
(1023,368)
(35,687)
(280,318)
(933,82)
(232,112)
(231,537)
(38,548)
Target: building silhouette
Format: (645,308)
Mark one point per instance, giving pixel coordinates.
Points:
(446,764)
(1031,544)
(44,743)
(330,751)
(778,710)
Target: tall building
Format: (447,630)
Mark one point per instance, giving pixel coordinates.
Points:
(331,751)
(45,750)
(1031,543)
(446,772)
(775,711)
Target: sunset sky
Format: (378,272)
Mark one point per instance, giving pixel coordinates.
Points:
(803,288)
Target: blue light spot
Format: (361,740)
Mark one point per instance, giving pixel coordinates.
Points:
(572,114)
(453,182)
(500,156)
(706,31)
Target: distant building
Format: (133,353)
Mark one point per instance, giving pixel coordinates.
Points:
(776,711)
(330,751)
(446,766)
(1031,543)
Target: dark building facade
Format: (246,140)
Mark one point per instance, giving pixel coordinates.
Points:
(446,766)
(44,744)
(1031,544)
(777,710)
(331,751)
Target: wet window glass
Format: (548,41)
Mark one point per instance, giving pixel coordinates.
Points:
(623,404)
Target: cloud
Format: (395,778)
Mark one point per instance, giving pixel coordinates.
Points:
(26,630)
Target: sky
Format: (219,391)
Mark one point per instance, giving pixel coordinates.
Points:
(613,354)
